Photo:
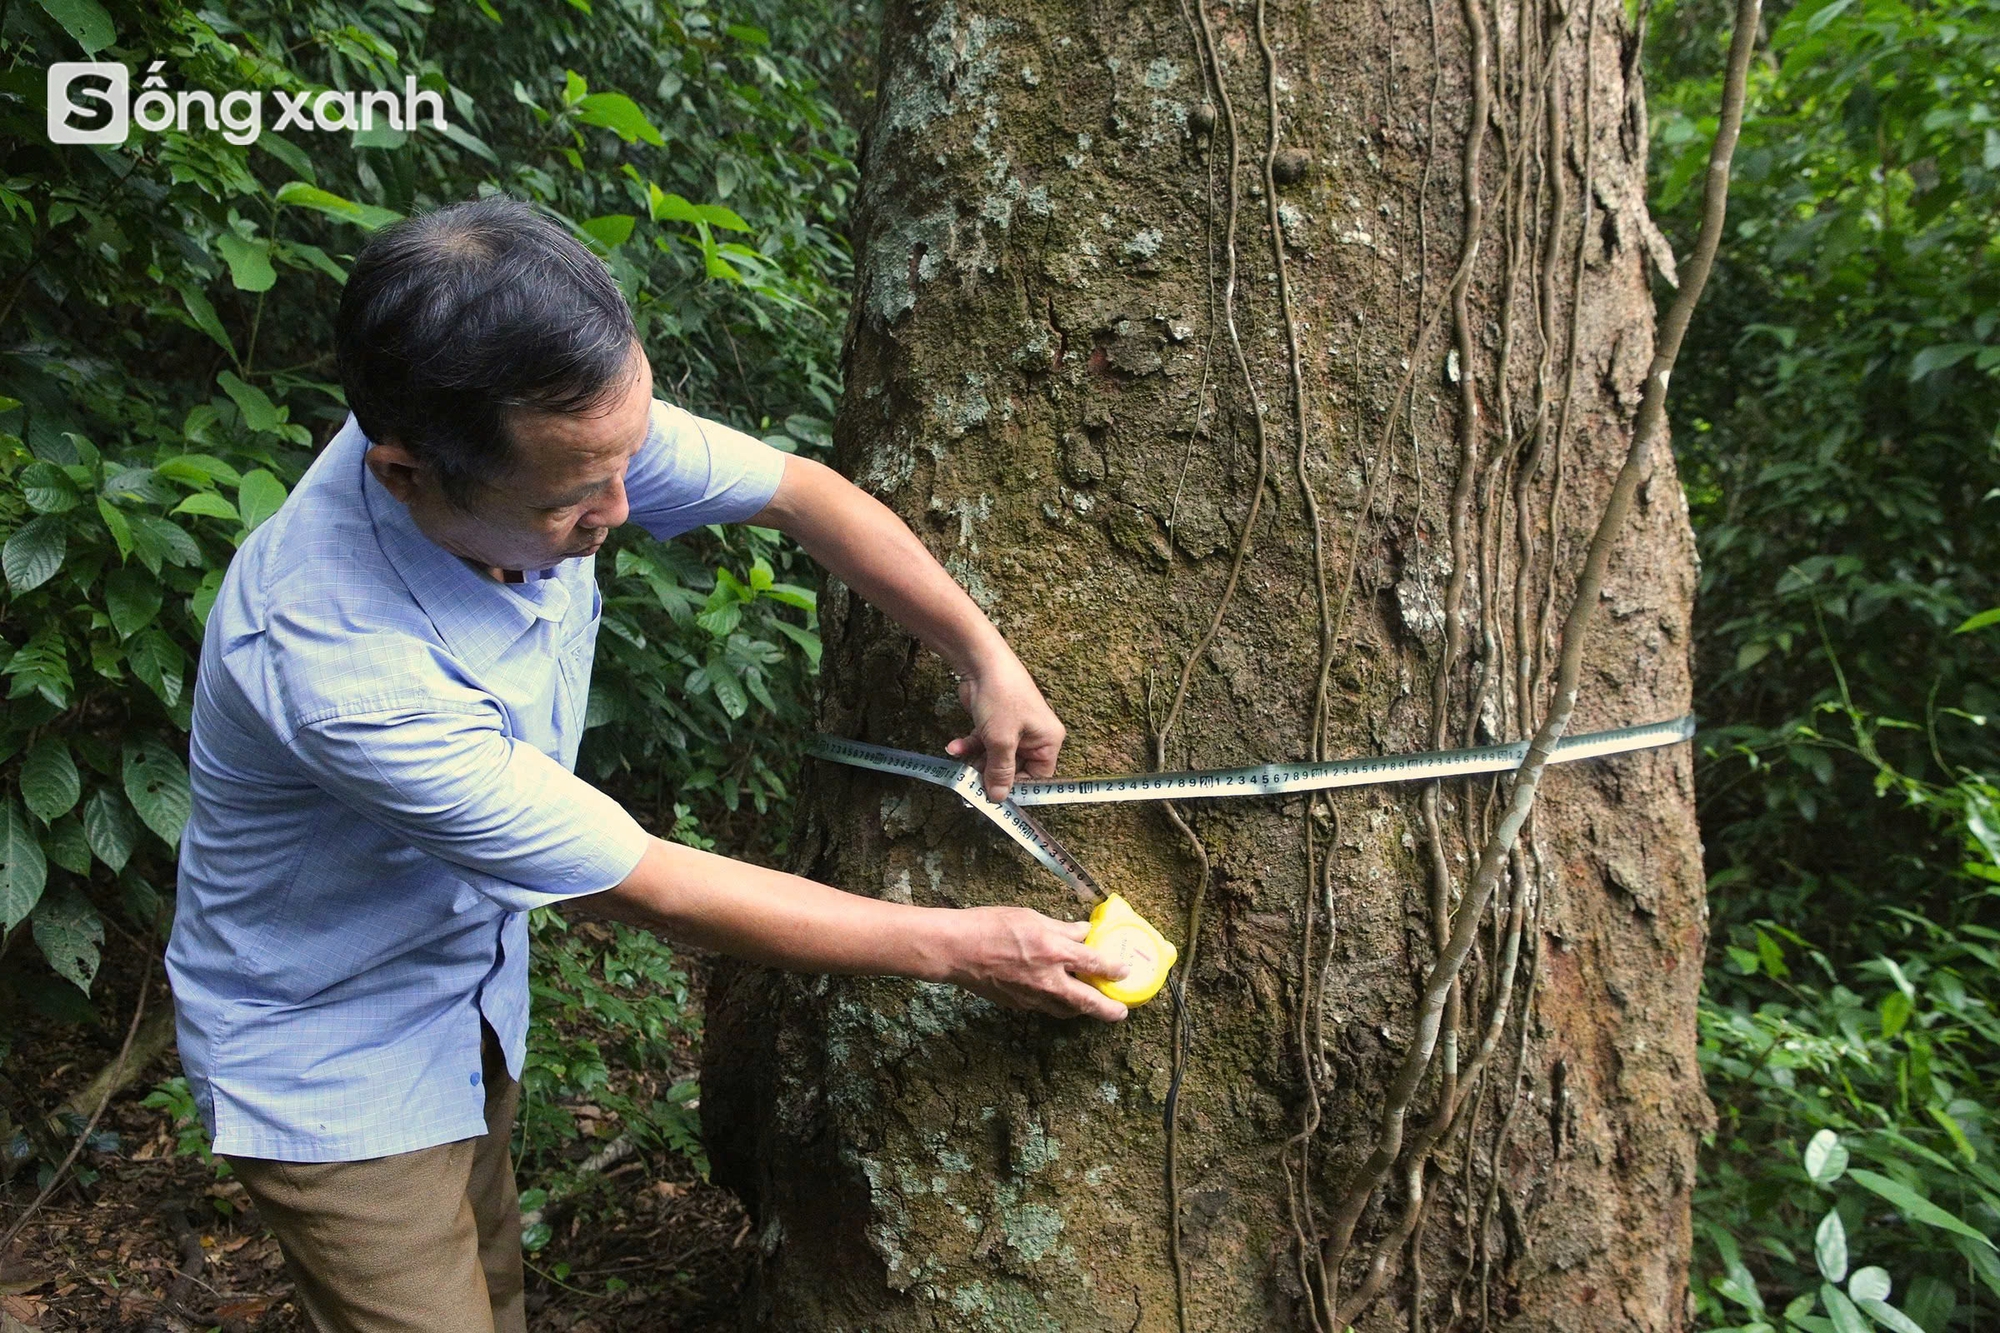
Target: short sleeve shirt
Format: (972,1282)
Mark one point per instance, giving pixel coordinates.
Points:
(381,764)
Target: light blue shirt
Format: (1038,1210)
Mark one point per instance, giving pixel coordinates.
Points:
(381,762)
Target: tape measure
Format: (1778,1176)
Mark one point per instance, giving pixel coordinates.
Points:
(1113,915)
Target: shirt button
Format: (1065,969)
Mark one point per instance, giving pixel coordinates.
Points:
(475,1078)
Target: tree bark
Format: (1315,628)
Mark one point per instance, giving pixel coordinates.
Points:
(1260,442)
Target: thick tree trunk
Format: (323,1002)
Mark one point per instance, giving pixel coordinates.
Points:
(1233,503)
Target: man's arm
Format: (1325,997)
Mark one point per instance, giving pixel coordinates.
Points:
(1010,955)
(857,539)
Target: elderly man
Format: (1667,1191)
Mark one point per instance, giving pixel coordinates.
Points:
(386,720)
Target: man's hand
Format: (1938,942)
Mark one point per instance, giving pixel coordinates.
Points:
(1014,731)
(1023,960)
(855,538)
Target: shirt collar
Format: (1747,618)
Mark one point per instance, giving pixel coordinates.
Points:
(477,616)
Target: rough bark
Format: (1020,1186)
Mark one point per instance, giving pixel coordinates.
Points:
(1052,376)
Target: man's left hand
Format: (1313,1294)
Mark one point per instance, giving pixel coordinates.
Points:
(1014,731)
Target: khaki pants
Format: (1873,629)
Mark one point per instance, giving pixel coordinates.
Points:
(420,1242)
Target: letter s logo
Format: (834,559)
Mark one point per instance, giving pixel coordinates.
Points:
(73,85)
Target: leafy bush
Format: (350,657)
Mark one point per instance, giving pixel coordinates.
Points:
(165,371)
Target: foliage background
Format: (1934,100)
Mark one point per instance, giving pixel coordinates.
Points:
(165,373)
(163,376)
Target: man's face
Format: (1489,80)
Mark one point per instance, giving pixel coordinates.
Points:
(563,491)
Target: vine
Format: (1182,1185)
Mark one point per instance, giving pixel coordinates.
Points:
(1516,687)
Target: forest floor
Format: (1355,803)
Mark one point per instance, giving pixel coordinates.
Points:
(158,1242)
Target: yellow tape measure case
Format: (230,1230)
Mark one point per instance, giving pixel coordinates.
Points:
(1131,939)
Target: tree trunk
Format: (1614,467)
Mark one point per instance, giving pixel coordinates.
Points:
(1259,444)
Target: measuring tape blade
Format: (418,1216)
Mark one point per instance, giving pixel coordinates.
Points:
(1263,780)
(1281,779)
(964,780)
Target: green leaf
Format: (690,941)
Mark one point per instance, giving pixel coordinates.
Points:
(1896,1010)
(1846,1319)
(249,262)
(50,783)
(34,553)
(48,489)
(1830,1246)
(156,783)
(156,539)
(119,526)
(1889,1317)
(1980,621)
(259,412)
(158,661)
(1869,1284)
(208,503)
(619,114)
(69,931)
(41,666)
(204,317)
(258,498)
(1915,1206)
(23,870)
(132,597)
(1826,1157)
(728,690)
(1933,359)
(610,231)
(109,828)
(298,194)
(67,847)
(203,600)
(84,20)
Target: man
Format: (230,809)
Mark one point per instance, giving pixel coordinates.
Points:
(386,719)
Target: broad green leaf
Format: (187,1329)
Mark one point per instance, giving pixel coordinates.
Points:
(35,552)
(69,932)
(203,600)
(48,489)
(23,870)
(1889,1317)
(1826,1157)
(1913,1205)
(1933,359)
(156,783)
(1830,1246)
(84,20)
(259,412)
(619,114)
(132,597)
(610,231)
(50,783)
(198,470)
(804,638)
(249,262)
(208,503)
(67,846)
(298,194)
(1896,1009)
(258,498)
(158,661)
(109,828)
(1869,1284)
(157,539)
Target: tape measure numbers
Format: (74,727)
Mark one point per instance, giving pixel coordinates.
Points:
(1113,916)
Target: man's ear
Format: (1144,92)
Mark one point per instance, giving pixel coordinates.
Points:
(395,467)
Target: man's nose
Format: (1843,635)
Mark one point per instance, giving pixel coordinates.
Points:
(610,510)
